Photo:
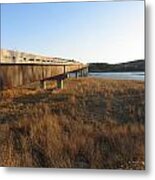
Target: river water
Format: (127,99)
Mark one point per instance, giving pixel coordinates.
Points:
(120,75)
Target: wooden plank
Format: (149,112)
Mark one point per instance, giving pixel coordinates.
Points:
(13,75)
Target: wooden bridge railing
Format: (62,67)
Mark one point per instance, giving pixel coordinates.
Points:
(13,75)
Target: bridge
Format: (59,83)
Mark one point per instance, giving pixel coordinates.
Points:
(20,68)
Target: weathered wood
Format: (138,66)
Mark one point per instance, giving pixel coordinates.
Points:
(13,75)
(43,84)
(60,83)
(20,68)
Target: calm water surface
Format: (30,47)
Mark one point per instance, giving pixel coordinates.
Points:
(120,75)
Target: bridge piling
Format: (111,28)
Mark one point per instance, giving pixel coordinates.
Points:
(43,84)
(76,74)
(82,72)
(85,72)
(68,75)
(60,83)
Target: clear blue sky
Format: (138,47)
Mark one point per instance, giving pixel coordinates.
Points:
(96,31)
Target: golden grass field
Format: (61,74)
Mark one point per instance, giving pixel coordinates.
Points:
(91,123)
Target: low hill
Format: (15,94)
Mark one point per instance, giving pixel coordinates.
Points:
(137,65)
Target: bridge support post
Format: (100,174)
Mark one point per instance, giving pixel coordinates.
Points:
(60,83)
(68,75)
(43,84)
(76,74)
(82,73)
(86,72)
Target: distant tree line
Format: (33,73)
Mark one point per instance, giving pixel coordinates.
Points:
(137,65)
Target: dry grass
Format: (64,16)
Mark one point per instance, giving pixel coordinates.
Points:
(92,123)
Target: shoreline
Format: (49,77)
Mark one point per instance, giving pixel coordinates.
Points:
(138,76)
